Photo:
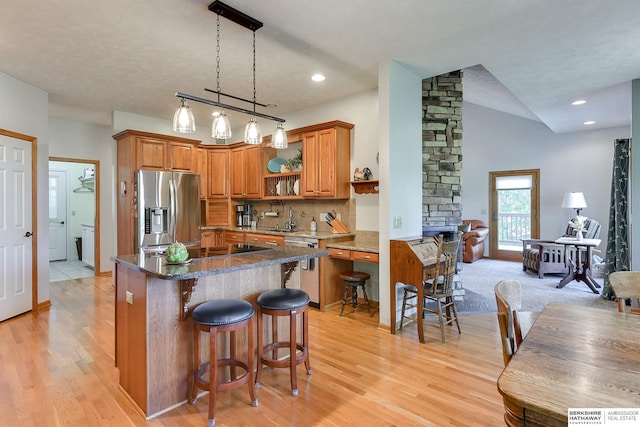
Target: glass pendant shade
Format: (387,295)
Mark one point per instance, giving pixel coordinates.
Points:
(252,133)
(183,120)
(279,138)
(221,128)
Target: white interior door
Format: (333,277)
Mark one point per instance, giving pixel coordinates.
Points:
(16,224)
(58,215)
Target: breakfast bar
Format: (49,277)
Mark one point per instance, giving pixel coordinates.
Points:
(154,298)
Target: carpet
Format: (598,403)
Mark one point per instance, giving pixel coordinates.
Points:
(480,277)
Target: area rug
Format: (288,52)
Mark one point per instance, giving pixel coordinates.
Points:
(480,277)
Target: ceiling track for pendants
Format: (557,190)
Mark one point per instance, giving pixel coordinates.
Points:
(235,15)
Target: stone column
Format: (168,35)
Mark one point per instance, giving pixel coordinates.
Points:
(442,149)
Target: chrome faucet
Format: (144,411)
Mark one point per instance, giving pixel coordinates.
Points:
(290,225)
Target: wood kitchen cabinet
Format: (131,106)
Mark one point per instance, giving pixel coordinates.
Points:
(212,238)
(246,172)
(326,160)
(269,239)
(218,173)
(234,237)
(200,168)
(147,151)
(164,155)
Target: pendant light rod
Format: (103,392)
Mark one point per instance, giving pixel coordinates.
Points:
(228,107)
(248,101)
(235,15)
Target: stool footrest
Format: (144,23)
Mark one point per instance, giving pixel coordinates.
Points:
(282,363)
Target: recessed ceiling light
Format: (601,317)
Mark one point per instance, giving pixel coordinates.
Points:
(590,122)
(579,102)
(317,78)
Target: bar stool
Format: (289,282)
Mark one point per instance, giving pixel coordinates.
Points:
(221,316)
(278,303)
(352,280)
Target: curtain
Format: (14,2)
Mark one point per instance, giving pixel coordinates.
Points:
(617,255)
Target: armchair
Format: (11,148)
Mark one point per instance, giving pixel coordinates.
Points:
(473,240)
(546,257)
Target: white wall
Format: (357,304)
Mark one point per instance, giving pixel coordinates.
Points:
(24,109)
(579,161)
(85,141)
(400,136)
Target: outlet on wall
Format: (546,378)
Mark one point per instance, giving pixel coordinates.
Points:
(397,221)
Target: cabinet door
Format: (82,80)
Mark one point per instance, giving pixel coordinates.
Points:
(218,174)
(151,154)
(180,157)
(310,164)
(201,169)
(237,173)
(218,179)
(326,158)
(253,171)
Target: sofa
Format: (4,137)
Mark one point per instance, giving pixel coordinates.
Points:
(473,240)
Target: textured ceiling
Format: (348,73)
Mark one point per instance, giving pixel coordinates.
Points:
(530,58)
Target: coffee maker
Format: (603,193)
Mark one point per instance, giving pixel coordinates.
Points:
(244,215)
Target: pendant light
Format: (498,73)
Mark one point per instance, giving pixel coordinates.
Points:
(252,133)
(220,128)
(279,138)
(183,120)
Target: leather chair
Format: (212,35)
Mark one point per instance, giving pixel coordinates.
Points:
(546,257)
(473,240)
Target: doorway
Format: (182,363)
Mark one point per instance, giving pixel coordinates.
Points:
(73,206)
(514,200)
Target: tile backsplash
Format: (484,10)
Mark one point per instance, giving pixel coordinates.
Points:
(303,212)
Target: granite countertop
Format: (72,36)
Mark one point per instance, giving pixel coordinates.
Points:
(320,235)
(156,265)
(356,245)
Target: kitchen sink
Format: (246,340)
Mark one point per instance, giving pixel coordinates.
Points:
(282,230)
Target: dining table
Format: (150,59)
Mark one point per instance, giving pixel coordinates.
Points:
(573,357)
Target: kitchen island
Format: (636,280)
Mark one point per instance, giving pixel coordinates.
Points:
(154,333)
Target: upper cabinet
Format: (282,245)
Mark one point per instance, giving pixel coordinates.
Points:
(201,169)
(164,155)
(326,157)
(247,170)
(218,172)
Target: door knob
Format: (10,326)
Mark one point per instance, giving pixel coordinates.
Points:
(28,234)
(61,222)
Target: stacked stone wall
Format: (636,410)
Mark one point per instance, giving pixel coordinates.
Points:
(442,149)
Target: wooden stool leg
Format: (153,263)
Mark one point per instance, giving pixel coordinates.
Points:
(196,363)
(232,354)
(354,297)
(260,346)
(274,335)
(250,363)
(344,299)
(292,351)
(213,374)
(366,299)
(305,339)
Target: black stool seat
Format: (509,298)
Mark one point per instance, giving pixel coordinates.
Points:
(283,299)
(222,312)
(352,280)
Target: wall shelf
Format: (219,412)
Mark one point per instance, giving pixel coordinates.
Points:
(365,187)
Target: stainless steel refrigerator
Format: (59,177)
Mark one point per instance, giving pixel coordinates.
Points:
(167,209)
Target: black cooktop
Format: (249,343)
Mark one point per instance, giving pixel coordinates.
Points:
(230,249)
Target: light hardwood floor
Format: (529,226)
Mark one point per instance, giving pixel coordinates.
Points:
(57,368)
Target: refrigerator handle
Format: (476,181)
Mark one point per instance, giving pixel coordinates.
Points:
(173,207)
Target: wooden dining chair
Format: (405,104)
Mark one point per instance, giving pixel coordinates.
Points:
(626,286)
(513,322)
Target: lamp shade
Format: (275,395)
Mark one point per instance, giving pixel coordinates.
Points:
(252,133)
(220,128)
(279,138)
(574,201)
(183,120)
